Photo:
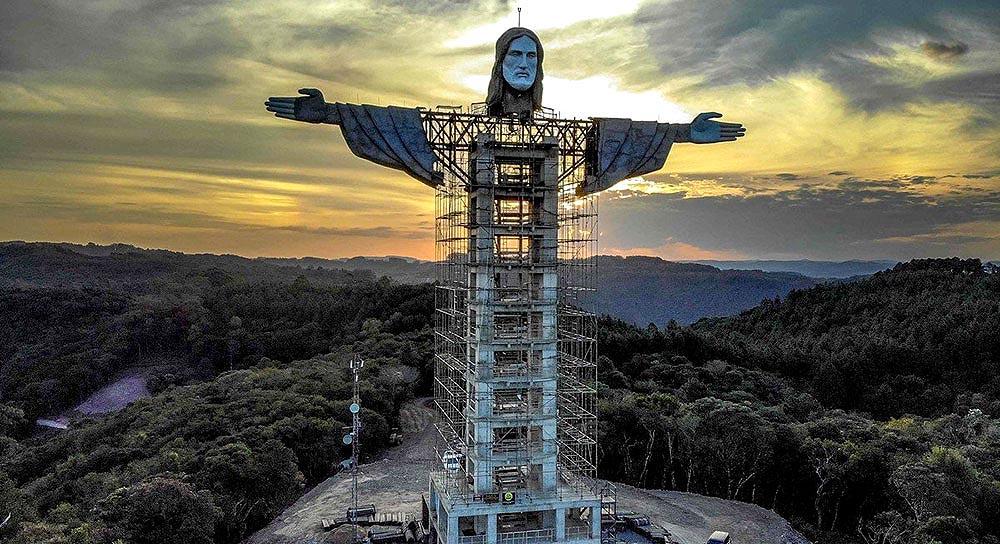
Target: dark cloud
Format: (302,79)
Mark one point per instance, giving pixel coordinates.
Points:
(839,173)
(787,176)
(119,213)
(940,50)
(166,47)
(858,218)
(131,213)
(754,41)
(978,87)
(487,9)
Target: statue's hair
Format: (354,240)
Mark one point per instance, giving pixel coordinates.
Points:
(499,86)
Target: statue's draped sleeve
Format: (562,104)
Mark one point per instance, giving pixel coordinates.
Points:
(621,149)
(390,136)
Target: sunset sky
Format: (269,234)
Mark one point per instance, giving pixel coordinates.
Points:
(873,126)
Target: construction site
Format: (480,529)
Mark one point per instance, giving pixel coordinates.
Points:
(515,334)
(505,452)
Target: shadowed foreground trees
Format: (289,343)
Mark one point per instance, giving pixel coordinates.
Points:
(843,408)
(750,407)
(160,511)
(232,452)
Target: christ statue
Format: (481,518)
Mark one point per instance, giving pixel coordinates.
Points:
(395,137)
(515,366)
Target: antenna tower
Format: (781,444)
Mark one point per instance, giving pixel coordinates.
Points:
(357,363)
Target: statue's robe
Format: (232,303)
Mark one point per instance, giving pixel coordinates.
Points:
(395,137)
(390,136)
(626,149)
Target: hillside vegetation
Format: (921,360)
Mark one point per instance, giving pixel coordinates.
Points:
(901,445)
(210,457)
(639,290)
(923,338)
(743,408)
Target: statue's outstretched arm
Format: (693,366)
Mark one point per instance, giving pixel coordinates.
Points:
(680,132)
(624,148)
(311,108)
(386,135)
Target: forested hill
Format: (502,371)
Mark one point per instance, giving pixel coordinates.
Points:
(646,290)
(863,412)
(401,269)
(640,290)
(124,268)
(922,338)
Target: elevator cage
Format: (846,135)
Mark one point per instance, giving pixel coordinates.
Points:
(515,374)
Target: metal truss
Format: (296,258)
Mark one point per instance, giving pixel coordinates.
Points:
(453,134)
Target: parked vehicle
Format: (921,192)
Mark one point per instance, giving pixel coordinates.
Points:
(719,537)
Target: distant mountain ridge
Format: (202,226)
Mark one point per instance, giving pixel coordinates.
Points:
(401,269)
(126,268)
(640,290)
(814,269)
(645,290)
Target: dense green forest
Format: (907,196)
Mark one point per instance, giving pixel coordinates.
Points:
(862,412)
(251,391)
(903,447)
(920,339)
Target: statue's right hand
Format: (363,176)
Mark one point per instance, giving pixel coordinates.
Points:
(310,108)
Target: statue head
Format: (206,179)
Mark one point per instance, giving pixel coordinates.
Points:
(516,81)
(520,63)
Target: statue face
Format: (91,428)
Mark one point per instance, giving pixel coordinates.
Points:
(520,64)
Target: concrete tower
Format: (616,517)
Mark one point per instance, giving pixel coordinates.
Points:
(515,351)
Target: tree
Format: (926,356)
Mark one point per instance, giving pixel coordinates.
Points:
(738,441)
(924,490)
(947,530)
(14,503)
(250,485)
(12,420)
(161,511)
(886,528)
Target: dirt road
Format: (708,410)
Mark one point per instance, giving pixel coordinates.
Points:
(395,483)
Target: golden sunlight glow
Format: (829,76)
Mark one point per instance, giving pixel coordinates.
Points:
(543,15)
(599,96)
(158,137)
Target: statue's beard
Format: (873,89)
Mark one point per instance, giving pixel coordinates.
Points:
(520,85)
(505,99)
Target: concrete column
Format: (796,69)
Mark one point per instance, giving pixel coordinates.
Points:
(491,528)
(452,528)
(560,524)
(595,522)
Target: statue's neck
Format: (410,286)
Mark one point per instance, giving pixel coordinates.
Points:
(517,102)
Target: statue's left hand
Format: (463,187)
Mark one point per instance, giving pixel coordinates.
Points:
(706,131)
(311,108)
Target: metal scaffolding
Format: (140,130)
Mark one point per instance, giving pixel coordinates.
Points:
(536,246)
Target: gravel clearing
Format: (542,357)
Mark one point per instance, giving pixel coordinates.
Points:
(396,482)
(115,396)
(691,518)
